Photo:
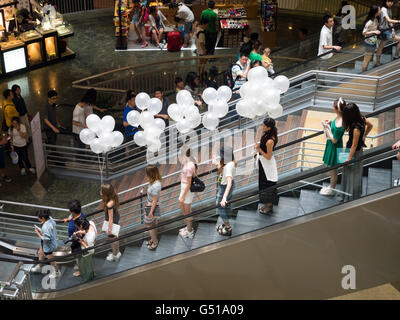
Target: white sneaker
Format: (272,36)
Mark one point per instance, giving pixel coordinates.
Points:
(183,230)
(37,269)
(116,258)
(327,191)
(54,275)
(32,170)
(110,257)
(188,234)
(23,172)
(76,267)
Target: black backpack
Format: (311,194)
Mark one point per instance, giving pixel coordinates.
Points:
(228,77)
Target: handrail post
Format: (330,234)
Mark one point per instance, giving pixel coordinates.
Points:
(316,86)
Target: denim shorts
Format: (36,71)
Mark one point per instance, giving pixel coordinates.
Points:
(386,35)
(2,160)
(187,29)
(369,48)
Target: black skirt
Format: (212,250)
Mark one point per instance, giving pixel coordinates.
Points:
(270,195)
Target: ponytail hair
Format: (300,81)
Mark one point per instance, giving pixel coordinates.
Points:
(272,133)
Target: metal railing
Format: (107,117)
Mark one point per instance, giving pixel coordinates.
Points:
(311,89)
(18,286)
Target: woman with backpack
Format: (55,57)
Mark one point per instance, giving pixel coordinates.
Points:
(370,32)
(139,19)
(226,185)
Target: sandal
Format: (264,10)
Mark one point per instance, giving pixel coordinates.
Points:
(139,41)
(220,227)
(76,274)
(144,45)
(262,211)
(150,242)
(225,231)
(152,246)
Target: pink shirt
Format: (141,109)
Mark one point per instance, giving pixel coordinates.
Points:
(187,171)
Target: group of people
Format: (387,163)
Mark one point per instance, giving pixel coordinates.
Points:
(378,30)
(15,130)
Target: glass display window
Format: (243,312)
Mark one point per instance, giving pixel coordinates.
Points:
(35,53)
(14,60)
(51,47)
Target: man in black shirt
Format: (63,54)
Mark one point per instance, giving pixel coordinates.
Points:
(51,124)
(21,108)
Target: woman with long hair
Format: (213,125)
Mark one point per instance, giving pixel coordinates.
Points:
(111,204)
(388,33)
(358,128)
(152,209)
(226,185)
(334,131)
(186,196)
(370,32)
(268,172)
(19,103)
(192,85)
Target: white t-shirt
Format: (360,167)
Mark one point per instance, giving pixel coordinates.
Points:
(325,40)
(371,26)
(78,116)
(385,12)
(185,13)
(152,19)
(237,72)
(229,171)
(90,237)
(18,141)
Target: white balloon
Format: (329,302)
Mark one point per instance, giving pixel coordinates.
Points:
(271,96)
(242,107)
(93,122)
(159,123)
(96,146)
(106,149)
(244,90)
(175,112)
(118,139)
(191,112)
(133,118)
(139,138)
(210,95)
(142,100)
(155,146)
(275,111)
(107,124)
(257,74)
(260,108)
(98,131)
(152,132)
(220,109)
(87,136)
(195,122)
(224,93)
(107,139)
(183,126)
(155,106)
(282,83)
(184,98)
(146,119)
(267,84)
(210,121)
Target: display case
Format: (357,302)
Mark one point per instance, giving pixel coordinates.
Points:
(50,43)
(233,22)
(269,13)
(64,32)
(34,47)
(13,56)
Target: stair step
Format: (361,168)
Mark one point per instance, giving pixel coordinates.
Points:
(311,201)
(378,180)
(395,170)
(206,233)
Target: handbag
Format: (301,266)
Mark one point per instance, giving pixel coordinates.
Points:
(342,155)
(114,229)
(197,185)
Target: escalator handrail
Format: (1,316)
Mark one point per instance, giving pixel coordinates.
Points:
(396,27)
(285,182)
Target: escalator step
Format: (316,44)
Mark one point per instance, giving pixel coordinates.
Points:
(378,180)
(311,201)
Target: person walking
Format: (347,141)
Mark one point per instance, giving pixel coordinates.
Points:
(358,128)
(52,125)
(48,239)
(211,31)
(152,209)
(370,32)
(386,24)
(87,234)
(267,169)
(334,131)
(185,14)
(140,17)
(226,185)
(18,139)
(22,110)
(186,196)
(79,121)
(111,205)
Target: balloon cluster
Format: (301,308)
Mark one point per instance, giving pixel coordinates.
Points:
(152,127)
(99,134)
(217,101)
(261,95)
(184,112)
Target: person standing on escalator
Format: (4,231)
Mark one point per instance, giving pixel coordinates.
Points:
(326,39)
(370,32)
(267,169)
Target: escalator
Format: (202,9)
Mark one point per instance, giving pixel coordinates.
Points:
(201,256)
